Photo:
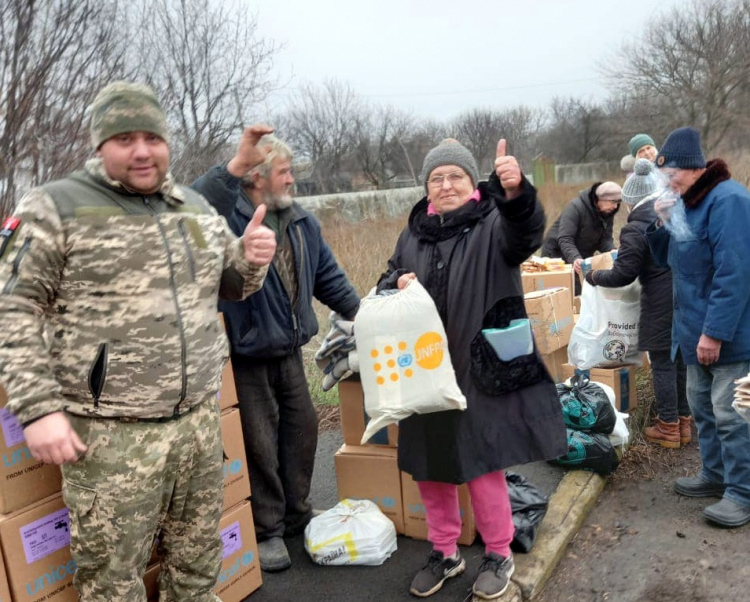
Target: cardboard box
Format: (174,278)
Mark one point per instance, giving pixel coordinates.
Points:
(4,588)
(621,379)
(550,312)
(415,523)
(354,419)
(240,573)
(23,480)
(227,394)
(36,548)
(600,261)
(554,363)
(236,473)
(577,304)
(537,281)
(240,568)
(371,473)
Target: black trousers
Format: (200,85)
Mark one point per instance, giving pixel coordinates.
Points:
(280,428)
(670,385)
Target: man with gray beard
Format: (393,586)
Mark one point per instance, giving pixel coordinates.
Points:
(267,332)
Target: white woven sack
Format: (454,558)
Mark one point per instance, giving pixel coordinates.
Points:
(353,532)
(403,358)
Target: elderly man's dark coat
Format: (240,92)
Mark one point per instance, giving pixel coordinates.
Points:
(468,261)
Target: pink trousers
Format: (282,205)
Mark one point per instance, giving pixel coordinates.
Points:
(492,513)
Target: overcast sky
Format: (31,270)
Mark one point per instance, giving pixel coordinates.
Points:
(437,58)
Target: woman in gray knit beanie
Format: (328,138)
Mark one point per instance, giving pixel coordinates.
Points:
(464,242)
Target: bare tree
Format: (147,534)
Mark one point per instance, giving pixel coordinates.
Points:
(577,131)
(54,55)
(696,60)
(320,122)
(378,146)
(209,67)
(480,130)
(424,136)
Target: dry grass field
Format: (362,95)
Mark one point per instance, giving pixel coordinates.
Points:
(363,249)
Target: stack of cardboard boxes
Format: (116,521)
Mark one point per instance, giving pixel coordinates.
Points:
(34,526)
(549,298)
(240,569)
(371,471)
(34,532)
(552,340)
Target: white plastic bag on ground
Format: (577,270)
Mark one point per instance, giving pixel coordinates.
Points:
(620,436)
(606,333)
(403,358)
(353,532)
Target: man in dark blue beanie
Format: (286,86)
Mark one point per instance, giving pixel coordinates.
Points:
(711,327)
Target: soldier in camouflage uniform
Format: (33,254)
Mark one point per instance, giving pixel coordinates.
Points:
(112,351)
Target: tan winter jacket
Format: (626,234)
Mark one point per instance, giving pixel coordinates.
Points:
(108,299)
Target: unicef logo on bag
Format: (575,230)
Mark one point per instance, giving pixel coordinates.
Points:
(391,363)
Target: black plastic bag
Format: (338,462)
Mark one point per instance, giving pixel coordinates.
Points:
(529,505)
(586,407)
(589,451)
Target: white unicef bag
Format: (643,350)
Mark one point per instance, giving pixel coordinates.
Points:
(606,333)
(352,532)
(403,358)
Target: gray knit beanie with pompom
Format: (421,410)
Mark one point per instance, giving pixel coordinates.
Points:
(641,184)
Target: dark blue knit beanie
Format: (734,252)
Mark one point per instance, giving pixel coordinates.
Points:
(682,150)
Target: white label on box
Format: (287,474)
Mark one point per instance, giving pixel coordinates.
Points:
(46,535)
(232,539)
(12,429)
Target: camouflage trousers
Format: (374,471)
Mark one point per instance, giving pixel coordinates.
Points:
(144,481)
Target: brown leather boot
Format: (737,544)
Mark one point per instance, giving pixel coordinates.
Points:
(686,429)
(666,434)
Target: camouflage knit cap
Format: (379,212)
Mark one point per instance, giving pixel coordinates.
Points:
(123,107)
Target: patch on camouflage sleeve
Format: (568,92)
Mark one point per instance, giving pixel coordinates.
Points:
(11,226)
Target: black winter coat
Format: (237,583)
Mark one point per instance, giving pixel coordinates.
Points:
(468,261)
(633,261)
(580,230)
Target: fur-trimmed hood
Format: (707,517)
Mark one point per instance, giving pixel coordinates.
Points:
(716,172)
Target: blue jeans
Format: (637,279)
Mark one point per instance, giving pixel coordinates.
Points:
(723,435)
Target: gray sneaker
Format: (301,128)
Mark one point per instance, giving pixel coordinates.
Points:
(438,568)
(494,576)
(273,555)
(728,513)
(698,487)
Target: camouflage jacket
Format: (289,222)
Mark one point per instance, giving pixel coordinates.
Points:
(108,299)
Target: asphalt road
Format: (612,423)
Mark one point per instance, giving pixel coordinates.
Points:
(389,582)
